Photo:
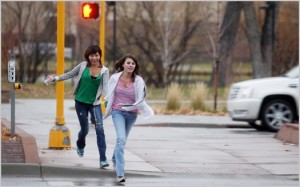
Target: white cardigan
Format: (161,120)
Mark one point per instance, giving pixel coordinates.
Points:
(140,95)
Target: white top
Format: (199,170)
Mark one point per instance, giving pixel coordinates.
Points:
(140,96)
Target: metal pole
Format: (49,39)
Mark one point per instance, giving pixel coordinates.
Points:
(102,29)
(115,34)
(102,39)
(12,79)
(59,134)
(60,63)
(216,82)
(12,100)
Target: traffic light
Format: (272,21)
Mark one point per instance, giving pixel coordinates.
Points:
(90,10)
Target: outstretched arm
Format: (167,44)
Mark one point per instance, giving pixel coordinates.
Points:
(65,76)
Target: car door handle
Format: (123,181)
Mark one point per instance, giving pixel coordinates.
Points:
(293,85)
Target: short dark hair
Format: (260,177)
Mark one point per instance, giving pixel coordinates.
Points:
(93,49)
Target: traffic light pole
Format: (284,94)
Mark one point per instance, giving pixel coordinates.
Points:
(60,63)
(59,134)
(102,29)
(102,41)
(114,33)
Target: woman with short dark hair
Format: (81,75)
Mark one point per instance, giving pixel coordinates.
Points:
(91,79)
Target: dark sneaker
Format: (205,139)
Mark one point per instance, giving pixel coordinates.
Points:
(120,179)
(80,152)
(104,164)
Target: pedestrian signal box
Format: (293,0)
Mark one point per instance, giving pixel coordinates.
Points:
(90,10)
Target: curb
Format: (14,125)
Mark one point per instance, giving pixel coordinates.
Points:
(194,125)
(28,143)
(288,133)
(37,170)
(23,169)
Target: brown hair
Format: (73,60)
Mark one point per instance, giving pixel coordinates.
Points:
(92,49)
(119,65)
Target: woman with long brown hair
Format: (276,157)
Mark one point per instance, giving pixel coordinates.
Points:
(125,99)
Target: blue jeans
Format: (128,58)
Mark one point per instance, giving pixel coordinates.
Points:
(82,111)
(123,122)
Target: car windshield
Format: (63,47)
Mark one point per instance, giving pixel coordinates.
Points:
(293,73)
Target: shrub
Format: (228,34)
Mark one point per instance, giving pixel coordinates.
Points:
(174,97)
(198,95)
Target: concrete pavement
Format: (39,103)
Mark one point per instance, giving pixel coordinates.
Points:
(203,145)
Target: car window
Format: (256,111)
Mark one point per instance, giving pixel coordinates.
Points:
(293,73)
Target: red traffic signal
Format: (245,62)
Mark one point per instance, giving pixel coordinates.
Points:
(90,10)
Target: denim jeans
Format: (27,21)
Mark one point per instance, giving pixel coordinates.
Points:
(82,111)
(123,122)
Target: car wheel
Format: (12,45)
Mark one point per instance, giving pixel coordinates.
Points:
(276,113)
(257,125)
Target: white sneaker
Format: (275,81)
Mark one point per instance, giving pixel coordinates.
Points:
(120,179)
(103,164)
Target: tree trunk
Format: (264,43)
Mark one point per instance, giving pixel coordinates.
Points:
(253,35)
(268,36)
(228,32)
(226,70)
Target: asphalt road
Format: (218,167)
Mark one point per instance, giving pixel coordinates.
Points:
(199,180)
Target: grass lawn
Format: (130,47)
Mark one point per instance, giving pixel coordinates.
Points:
(39,90)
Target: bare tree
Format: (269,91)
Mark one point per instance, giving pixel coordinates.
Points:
(159,32)
(261,44)
(287,38)
(221,50)
(31,26)
(254,39)
(228,31)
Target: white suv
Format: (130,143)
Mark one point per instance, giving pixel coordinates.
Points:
(267,103)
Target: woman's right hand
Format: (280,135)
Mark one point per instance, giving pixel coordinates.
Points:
(50,78)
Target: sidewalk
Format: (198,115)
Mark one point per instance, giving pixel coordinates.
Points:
(12,151)
(212,145)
